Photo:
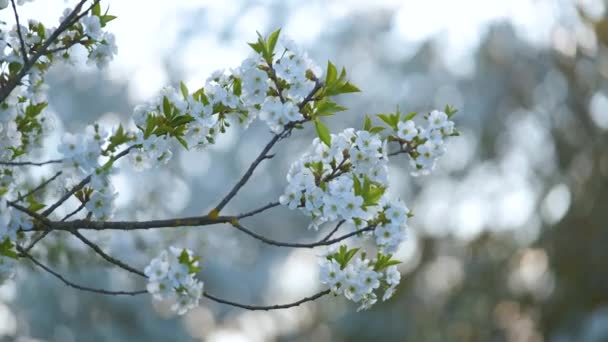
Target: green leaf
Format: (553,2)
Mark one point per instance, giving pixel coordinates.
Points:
(96,10)
(181,120)
(373,196)
(349,88)
(410,116)
(182,142)
(166,107)
(237,87)
(389,120)
(450,111)
(105,19)
(272,41)
(357,185)
(323,132)
(332,73)
(368,123)
(376,130)
(327,108)
(184,89)
(257,47)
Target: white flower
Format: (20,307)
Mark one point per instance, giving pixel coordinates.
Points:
(367,302)
(397,212)
(331,274)
(392,277)
(157,269)
(407,130)
(291,197)
(437,119)
(352,207)
(170,277)
(101,204)
(386,234)
(92,26)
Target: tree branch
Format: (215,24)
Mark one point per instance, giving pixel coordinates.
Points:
(269,307)
(39,187)
(205,294)
(264,154)
(79,186)
(101,253)
(74,285)
(259,210)
(26,163)
(323,242)
(19,34)
(333,231)
(70,226)
(67,22)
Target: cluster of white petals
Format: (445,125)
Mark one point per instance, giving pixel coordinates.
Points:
(171,276)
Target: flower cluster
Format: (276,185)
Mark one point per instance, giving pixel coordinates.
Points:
(358,278)
(426,144)
(22,118)
(273,88)
(260,86)
(345,177)
(171,276)
(326,183)
(81,156)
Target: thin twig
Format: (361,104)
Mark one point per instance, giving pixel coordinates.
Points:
(7,88)
(79,186)
(74,285)
(259,210)
(193,221)
(21,41)
(26,163)
(247,174)
(323,242)
(39,187)
(110,259)
(333,231)
(76,211)
(205,294)
(269,307)
(264,154)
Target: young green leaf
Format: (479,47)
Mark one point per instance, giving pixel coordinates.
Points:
(184,89)
(272,40)
(323,132)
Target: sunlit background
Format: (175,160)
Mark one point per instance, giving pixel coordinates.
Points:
(510,236)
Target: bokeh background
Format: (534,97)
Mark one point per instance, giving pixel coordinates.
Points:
(510,236)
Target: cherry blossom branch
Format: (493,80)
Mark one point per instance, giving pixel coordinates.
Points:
(66,47)
(39,187)
(247,174)
(73,225)
(259,210)
(107,257)
(19,34)
(75,211)
(47,232)
(67,22)
(29,163)
(74,285)
(138,292)
(80,185)
(264,154)
(340,223)
(323,242)
(269,307)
